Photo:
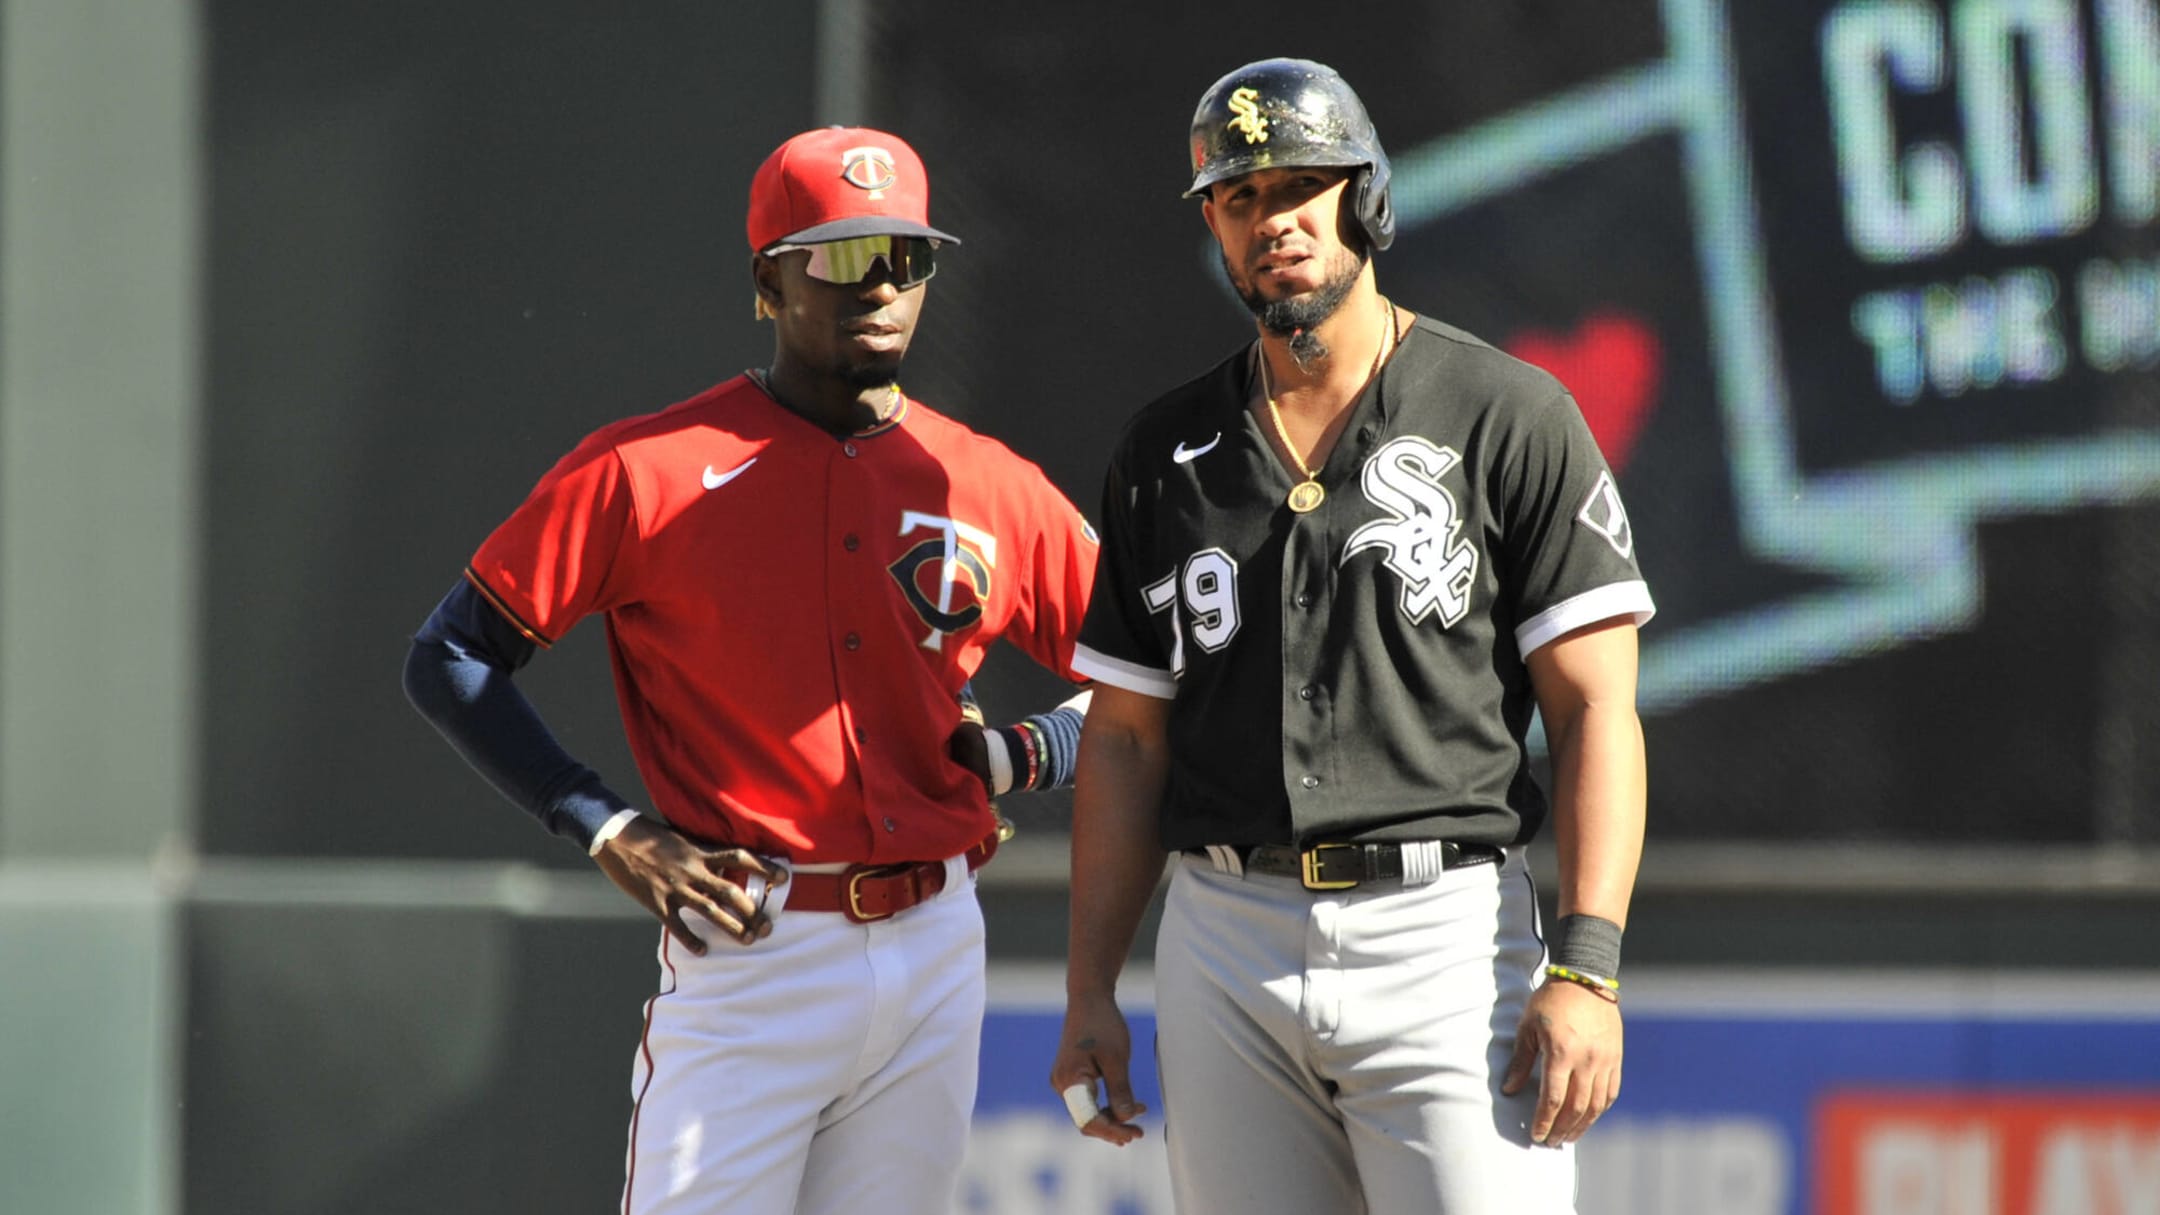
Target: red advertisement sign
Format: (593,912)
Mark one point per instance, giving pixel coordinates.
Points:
(2037,1153)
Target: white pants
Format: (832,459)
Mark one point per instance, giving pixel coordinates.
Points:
(829,1068)
(1342,1051)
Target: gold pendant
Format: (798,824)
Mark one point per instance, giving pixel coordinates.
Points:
(1305,496)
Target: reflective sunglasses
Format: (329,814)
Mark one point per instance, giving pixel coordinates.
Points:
(910,259)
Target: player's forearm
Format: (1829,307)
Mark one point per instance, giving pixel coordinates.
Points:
(1117,855)
(483,716)
(1598,807)
(458,676)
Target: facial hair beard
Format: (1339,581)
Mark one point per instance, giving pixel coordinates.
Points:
(869,375)
(875,371)
(1300,315)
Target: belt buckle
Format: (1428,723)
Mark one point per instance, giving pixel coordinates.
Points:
(855,912)
(1309,863)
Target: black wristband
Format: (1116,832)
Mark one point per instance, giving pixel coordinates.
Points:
(1020,749)
(1588,944)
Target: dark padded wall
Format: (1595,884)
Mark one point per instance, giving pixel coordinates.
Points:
(446,241)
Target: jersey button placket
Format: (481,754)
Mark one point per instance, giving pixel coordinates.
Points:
(1306,727)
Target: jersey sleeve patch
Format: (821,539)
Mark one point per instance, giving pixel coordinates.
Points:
(1118,673)
(1590,607)
(1602,513)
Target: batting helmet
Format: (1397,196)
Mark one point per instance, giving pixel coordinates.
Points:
(1279,113)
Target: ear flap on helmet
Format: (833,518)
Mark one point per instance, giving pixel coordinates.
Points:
(1375,208)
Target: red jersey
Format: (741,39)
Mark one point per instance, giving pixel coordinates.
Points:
(792,613)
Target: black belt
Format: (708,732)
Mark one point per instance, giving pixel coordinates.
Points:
(1341,866)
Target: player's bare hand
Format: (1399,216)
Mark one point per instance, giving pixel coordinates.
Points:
(1096,1045)
(669,874)
(967,748)
(1577,1032)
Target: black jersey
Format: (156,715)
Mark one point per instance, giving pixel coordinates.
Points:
(1356,672)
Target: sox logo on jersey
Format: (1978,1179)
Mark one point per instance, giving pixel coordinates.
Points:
(1437,567)
(959,550)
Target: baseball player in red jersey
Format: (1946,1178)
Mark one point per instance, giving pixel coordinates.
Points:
(799,570)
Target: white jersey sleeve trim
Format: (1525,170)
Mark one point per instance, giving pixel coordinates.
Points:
(1590,607)
(1118,673)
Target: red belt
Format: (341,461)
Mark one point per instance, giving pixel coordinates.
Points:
(868,893)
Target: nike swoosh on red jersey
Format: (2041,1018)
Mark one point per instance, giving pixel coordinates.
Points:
(714,480)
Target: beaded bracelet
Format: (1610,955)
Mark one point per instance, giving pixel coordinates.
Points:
(1608,988)
(1034,755)
(1042,748)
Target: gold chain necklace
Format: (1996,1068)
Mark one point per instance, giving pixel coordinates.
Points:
(888,411)
(1307,494)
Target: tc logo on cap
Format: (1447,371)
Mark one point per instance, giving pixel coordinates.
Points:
(868,168)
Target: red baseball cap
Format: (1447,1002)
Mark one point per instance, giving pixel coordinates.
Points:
(837,182)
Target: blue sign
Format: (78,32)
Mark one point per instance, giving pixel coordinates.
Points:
(1795,1094)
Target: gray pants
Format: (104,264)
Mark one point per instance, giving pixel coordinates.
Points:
(1339,1052)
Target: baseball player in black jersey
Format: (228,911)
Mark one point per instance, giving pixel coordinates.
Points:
(1339,571)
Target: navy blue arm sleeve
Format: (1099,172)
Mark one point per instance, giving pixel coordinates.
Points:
(458,675)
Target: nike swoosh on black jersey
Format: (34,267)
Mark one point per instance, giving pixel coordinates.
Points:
(1186,455)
